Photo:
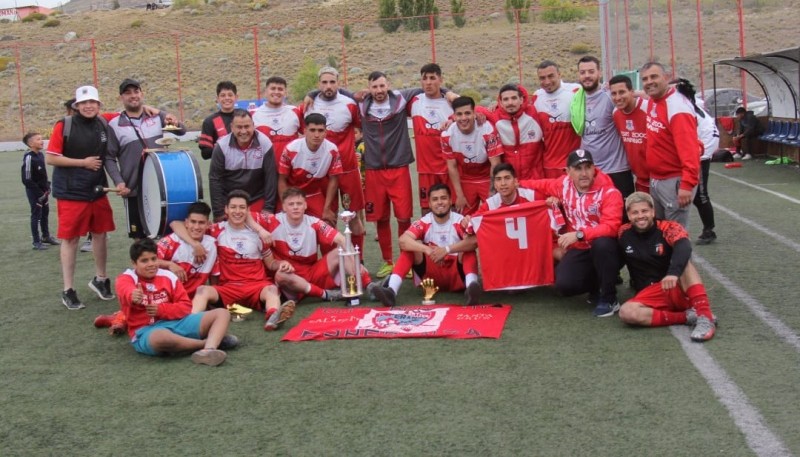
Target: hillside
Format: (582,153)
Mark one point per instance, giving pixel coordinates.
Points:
(216,42)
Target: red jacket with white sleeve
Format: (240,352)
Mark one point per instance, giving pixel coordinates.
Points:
(673,149)
(164,289)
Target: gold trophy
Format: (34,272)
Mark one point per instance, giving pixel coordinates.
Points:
(349,261)
(238,312)
(429,289)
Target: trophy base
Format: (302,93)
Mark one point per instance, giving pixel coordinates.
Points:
(237,317)
(353,302)
(428,302)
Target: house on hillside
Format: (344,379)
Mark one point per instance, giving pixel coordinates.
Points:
(19,13)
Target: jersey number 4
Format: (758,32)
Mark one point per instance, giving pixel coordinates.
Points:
(516,229)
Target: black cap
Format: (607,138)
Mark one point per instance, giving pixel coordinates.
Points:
(578,157)
(127,83)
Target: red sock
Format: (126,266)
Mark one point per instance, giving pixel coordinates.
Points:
(403,264)
(385,240)
(470,262)
(663,318)
(402,226)
(699,300)
(358,240)
(316,291)
(269,313)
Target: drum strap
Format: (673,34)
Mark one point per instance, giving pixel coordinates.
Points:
(136,131)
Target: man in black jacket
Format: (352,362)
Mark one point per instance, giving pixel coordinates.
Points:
(749,130)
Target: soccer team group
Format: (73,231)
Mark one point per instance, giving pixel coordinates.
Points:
(615,171)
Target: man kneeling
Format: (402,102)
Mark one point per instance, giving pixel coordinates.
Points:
(436,247)
(158,312)
(669,289)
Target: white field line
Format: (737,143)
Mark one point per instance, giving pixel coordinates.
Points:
(774,235)
(756,432)
(763,189)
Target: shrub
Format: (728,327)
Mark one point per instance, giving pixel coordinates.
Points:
(580,48)
(424,9)
(332,61)
(523,6)
(473,94)
(51,23)
(306,79)
(187,3)
(387,11)
(407,11)
(137,23)
(5,62)
(458,10)
(560,11)
(347,32)
(115,5)
(34,17)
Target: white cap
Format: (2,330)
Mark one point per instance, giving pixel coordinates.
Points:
(84,93)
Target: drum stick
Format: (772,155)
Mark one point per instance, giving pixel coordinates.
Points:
(102,190)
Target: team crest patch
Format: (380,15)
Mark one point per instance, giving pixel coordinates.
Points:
(629,125)
(659,249)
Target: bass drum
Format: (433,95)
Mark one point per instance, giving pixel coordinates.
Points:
(170,182)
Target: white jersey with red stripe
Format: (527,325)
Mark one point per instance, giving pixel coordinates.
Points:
(176,250)
(472,151)
(559,137)
(342,118)
(280,124)
(310,170)
(428,115)
(433,233)
(240,253)
(524,195)
(299,244)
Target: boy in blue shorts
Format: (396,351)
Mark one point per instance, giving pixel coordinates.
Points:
(158,312)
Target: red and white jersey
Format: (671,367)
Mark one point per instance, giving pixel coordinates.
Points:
(176,250)
(298,244)
(428,115)
(559,137)
(342,120)
(240,253)
(515,246)
(164,289)
(522,139)
(673,149)
(471,151)
(632,128)
(280,124)
(309,170)
(597,212)
(433,233)
(524,195)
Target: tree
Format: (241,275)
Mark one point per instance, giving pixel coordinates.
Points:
(458,10)
(407,12)
(387,11)
(523,6)
(423,9)
(306,79)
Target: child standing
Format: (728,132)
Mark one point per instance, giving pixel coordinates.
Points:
(37,188)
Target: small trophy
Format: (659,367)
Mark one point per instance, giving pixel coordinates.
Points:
(349,264)
(238,312)
(429,289)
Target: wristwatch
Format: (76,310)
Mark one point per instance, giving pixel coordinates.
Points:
(579,235)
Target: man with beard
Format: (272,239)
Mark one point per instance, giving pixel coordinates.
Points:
(673,148)
(280,121)
(630,119)
(218,124)
(552,101)
(436,247)
(592,117)
(243,160)
(132,132)
(669,291)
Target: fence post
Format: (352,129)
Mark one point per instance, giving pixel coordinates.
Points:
(178,73)
(431,24)
(605,44)
(671,38)
(628,36)
(650,21)
(19,89)
(617,33)
(344,54)
(700,46)
(258,63)
(94,65)
(740,8)
(519,45)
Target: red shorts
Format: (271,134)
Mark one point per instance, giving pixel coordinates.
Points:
(350,184)
(445,276)
(388,186)
(426,180)
(317,274)
(643,185)
(476,192)
(316,204)
(77,217)
(244,293)
(653,296)
(552,173)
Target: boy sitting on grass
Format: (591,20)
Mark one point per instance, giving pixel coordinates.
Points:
(158,312)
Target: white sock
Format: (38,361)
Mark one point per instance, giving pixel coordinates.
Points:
(470,278)
(395,282)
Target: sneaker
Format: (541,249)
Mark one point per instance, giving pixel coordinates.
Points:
(385,295)
(228,342)
(473,294)
(707,237)
(70,299)
(370,290)
(737,156)
(281,315)
(102,288)
(333,295)
(605,309)
(118,324)
(103,320)
(746,157)
(50,240)
(87,245)
(704,329)
(385,270)
(691,317)
(210,357)
(39,247)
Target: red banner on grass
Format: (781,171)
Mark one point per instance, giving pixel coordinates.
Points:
(436,321)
